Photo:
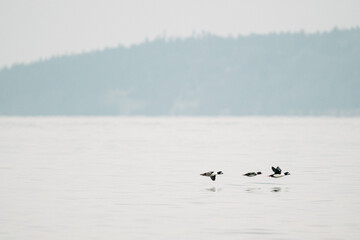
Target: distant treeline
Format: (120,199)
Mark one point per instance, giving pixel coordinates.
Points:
(275,74)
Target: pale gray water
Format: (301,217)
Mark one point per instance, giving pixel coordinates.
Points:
(138,178)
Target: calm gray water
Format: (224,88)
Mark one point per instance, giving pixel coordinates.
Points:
(138,178)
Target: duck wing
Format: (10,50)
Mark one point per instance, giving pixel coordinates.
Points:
(276,170)
(213,177)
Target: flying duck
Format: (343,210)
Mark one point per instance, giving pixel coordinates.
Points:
(277,173)
(212,174)
(251,174)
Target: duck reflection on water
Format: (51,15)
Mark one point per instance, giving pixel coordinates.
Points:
(276,189)
(213,189)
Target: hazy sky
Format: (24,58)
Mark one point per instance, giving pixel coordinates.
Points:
(34,29)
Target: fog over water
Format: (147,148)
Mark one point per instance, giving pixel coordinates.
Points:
(136,178)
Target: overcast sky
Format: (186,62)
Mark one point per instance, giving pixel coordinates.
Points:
(34,29)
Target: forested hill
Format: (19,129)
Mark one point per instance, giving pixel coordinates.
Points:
(275,74)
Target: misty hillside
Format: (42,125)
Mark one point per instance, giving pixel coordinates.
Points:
(276,74)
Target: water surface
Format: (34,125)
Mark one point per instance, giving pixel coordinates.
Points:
(138,178)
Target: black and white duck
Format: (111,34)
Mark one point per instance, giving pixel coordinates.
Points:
(252,174)
(277,173)
(212,174)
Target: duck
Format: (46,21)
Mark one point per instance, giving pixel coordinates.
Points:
(212,174)
(277,173)
(252,174)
